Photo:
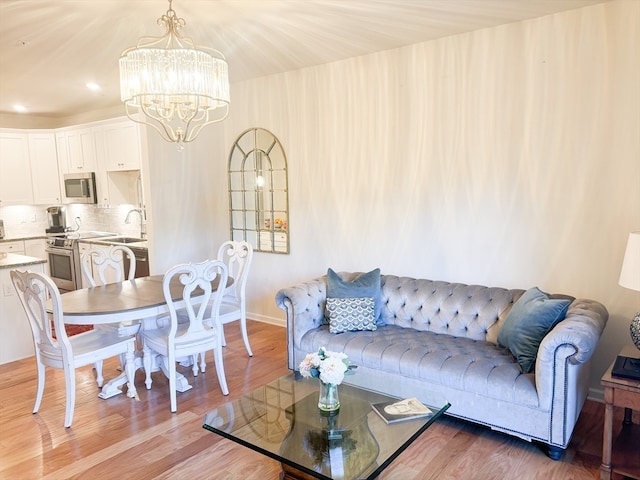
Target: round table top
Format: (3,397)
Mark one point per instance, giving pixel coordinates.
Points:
(139,296)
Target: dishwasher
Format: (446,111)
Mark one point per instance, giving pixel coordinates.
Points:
(142,261)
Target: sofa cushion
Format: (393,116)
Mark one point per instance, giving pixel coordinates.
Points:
(366,285)
(456,362)
(530,319)
(351,314)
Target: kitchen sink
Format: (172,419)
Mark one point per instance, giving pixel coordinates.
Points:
(124,240)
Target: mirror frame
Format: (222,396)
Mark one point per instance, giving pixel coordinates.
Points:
(259,191)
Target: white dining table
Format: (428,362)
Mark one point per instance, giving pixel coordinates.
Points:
(138,299)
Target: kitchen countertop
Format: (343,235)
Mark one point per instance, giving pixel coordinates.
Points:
(110,241)
(11,260)
(23,237)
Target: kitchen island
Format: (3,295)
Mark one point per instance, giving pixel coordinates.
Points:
(16,340)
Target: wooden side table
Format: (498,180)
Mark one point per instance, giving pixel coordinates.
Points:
(624,458)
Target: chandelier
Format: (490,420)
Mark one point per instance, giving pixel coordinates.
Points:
(178,86)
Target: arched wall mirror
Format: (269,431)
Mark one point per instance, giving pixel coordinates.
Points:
(258,191)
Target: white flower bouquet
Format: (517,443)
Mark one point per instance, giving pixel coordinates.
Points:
(329,367)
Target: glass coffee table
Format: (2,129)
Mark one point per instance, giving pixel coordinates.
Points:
(281,420)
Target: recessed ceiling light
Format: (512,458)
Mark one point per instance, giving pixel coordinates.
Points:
(93,86)
(20,108)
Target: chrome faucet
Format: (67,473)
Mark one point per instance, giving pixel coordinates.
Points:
(143,226)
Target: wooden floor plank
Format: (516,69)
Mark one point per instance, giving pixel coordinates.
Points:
(121,438)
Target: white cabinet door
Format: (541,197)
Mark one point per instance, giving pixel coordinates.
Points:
(118,163)
(80,150)
(83,247)
(121,146)
(36,247)
(44,168)
(15,246)
(15,170)
(16,339)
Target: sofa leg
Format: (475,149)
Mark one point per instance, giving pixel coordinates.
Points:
(555,453)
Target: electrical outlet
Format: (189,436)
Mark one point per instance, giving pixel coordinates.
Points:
(8,289)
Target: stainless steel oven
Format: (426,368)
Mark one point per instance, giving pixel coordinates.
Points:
(63,254)
(64,265)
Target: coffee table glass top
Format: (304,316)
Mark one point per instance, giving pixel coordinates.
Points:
(281,420)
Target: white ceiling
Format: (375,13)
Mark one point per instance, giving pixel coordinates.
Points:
(51,48)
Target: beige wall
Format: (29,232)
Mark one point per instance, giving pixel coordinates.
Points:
(506,157)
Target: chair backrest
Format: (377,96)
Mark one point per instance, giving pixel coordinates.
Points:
(35,290)
(237,256)
(103,260)
(196,278)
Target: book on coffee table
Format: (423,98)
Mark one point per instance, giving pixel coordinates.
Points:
(401,410)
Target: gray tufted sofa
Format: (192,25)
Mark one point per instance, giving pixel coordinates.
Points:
(441,336)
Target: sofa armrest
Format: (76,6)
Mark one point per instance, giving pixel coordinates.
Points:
(304,305)
(572,342)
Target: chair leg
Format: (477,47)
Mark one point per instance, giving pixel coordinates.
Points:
(130,371)
(194,365)
(40,391)
(245,336)
(172,383)
(224,340)
(70,384)
(99,377)
(146,362)
(222,379)
(203,363)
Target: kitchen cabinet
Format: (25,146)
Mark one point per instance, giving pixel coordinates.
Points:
(15,246)
(121,144)
(118,158)
(80,150)
(16,339)
(15,169)
(37,247)
(44,168)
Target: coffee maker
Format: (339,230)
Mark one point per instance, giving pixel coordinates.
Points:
(57,219)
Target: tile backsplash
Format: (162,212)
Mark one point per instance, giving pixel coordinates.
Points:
(28,220)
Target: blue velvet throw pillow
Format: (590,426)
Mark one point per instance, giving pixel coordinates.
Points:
(530,319)
(366,285)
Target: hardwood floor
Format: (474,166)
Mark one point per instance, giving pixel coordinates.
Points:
(121,438)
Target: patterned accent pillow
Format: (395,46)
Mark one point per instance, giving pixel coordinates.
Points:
(351,314)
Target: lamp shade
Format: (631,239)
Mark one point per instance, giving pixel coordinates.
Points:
(630,273)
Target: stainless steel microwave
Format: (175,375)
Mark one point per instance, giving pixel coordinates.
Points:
(80,187)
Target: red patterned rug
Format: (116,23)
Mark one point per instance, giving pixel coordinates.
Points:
(75,329)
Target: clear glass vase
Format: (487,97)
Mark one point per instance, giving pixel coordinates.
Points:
(328,401)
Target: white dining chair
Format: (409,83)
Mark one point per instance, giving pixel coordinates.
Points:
(105,264)
(237,256)
(60,351)
(187,339)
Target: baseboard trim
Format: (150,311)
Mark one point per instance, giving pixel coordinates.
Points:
(596,394)
(278,322)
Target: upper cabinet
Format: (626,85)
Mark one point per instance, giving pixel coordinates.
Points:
(33,162)
(15,169)
(121,144)
(118,155)
(44,168)
(80,150)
